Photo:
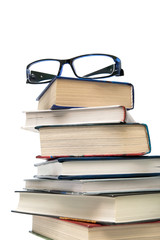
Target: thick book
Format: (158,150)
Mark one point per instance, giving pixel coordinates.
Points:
(65,92)
(98,167)
(94,139)
(54,228)
(111,208)
(95,186)
(110,114)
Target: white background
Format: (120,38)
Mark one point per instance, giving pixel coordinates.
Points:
(35,29)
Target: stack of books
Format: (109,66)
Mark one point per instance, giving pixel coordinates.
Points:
(94,179)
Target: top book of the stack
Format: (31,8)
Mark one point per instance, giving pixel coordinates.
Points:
(65,92)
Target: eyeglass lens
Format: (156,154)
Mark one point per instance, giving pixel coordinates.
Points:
(94,66)
(44,71)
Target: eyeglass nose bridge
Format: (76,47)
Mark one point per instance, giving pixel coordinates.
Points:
(62,63)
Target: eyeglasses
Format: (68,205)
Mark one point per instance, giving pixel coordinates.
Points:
(92,66)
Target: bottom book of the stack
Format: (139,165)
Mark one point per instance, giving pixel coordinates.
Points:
(58,229)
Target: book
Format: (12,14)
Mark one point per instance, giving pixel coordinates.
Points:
(110,114)
(111,208)
(95,186)
(98,167)
(94,139)
(66,229)
(74,92)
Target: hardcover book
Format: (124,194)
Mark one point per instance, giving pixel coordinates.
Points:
(73,92)
(95,186)
(94,139)
(111,208)
(111,114)
(66,229)
(98,167)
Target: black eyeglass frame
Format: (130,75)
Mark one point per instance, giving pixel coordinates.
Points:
(118,71)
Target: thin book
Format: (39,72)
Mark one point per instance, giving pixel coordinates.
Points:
(110,114)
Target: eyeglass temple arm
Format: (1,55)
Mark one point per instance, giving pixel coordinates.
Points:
(108,69)
(39,76)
